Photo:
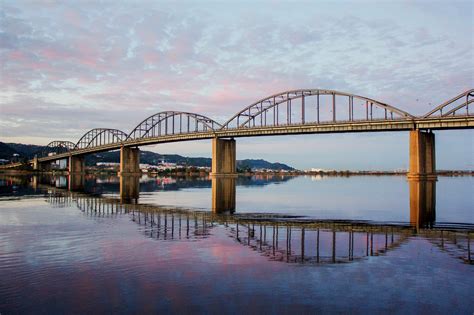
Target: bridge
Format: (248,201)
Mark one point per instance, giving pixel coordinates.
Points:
(305,111)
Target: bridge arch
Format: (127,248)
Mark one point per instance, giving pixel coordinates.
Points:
(256,115)
(57,147)
(172,123)
(100,136)
(453,106)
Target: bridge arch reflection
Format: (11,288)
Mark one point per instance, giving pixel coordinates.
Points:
(280,238)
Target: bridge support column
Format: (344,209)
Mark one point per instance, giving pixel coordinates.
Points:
(129,161)
(35,164)
(129,188)
(41,167)
(223,157)
(77,164)
(223,194)
(422,203)
(422,156)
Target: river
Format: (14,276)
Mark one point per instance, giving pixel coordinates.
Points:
(280,244)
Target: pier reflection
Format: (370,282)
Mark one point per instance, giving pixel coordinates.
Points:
(223,194)
(422,203)
(129,189)
(76,182)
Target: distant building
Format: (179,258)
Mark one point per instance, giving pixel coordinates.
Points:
(109,164)
(320,170)
(3,161)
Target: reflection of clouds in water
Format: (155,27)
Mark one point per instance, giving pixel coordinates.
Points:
(83,258)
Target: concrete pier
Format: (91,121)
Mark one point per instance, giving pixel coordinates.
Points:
(223,194)
(422,203)
(422,155)
(223,157)
(41,166)
(129,161)
(35,164)
(77,164)
(129,188)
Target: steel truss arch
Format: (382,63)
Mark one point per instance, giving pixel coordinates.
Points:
(62,144)
(453,105)
(100,136)
(172,123)
(271,104)
(57,147)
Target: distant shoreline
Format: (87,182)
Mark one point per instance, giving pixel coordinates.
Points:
(381,173)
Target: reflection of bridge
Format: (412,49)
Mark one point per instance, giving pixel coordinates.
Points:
(286,239)
(129,188)
(280,238)
(291,112)
(422,192)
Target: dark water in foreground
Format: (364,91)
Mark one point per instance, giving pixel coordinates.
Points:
(293,245)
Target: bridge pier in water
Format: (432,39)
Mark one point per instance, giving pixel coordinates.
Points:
(223,157)
(129,161)
(422,155)
(77,164)
(129,174)
(223,175)
(41,166)
(422,178)
(77,169)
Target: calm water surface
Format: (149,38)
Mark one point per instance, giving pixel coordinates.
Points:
(292,245)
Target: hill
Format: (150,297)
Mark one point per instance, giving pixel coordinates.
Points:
(28,151)
(6,151)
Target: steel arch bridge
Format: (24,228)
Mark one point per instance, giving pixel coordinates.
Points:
(294,107)
(57,147)
(173,123)
(100,136)
(304,107)
(302,111)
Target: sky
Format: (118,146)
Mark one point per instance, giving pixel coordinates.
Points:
(70,66)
